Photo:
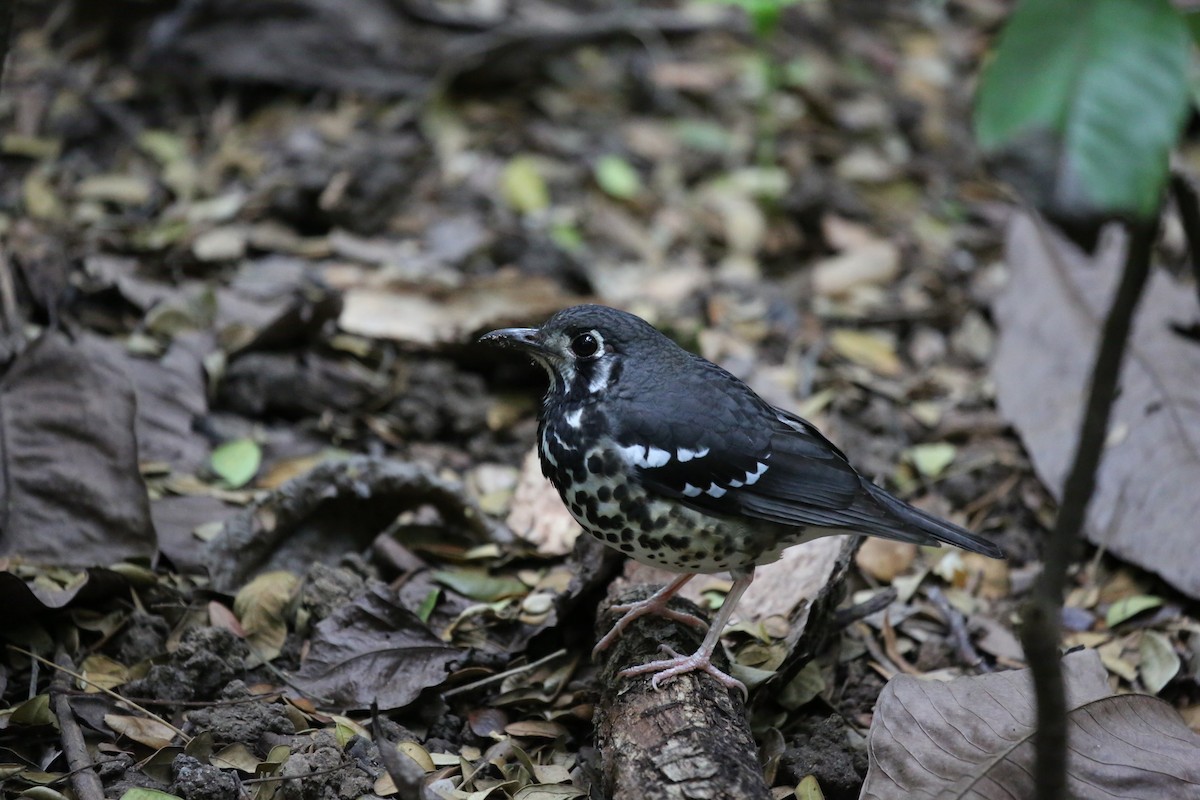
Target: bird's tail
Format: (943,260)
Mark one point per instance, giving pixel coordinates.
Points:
(927,525)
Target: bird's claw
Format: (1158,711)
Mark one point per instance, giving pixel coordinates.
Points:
(633,611)
(678,664)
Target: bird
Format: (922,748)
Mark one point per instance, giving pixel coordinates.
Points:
(672,460)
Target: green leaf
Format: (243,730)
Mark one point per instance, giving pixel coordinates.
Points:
(428,604)
(523,187)
(805,687)
(764,14)
(236,462)
(139,793)
(34,711)
(1084,101)
(567,237)
(1192,19)
(705,136)
(932,459)
(809,789)
(1130,607)
(1160,662)
(478,585)
(617,177)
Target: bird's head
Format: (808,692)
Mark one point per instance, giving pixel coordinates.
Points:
(582,348)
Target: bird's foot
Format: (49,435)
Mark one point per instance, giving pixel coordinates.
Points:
(632,611)
(668,668)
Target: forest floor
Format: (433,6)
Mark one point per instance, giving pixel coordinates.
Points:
(259,475)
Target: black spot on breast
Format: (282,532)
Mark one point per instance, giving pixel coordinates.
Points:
(675,542)
(627,535)
(620,493)
(626,548)
(612,537)
(581,497)
(594,463)
(604,493)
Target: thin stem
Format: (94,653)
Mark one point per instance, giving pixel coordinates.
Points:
(99,688)
(7,11)
(1040,631)
(1188,204)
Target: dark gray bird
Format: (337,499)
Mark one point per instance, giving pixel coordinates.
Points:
(665,456)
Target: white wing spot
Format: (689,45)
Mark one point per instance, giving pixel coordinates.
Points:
(690,491)
(634,453)
(561,443)
(640,455)
(752,477)
(714,490)
(574,417)
(736,484)
(656,457)
(685,455)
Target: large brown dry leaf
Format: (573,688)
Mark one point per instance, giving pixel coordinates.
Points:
(1146,504)
(973,738)
(788,587)
(374,650)
(538,514)
(171,396)
(419,316)
(71,491)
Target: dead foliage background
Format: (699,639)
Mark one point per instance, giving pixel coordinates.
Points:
(258,480)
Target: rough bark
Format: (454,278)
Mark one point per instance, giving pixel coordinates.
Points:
(688,739)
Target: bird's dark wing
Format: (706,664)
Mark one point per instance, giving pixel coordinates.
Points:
(726,451)
(721,449)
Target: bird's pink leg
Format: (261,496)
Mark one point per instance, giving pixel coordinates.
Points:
(654,604)
(701,660)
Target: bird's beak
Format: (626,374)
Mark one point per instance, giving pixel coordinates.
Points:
(520,338)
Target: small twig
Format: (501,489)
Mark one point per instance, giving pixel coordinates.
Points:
(893,651)
(992,496)
(1040,630)
(406,774)
(10,315)
(66,776)
(967,653)
(890,316)
(101,689)
(236,701)
(499,676)
(84,779)
(887,668)
(845,617)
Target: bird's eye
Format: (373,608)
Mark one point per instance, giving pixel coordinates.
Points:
(585,345)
